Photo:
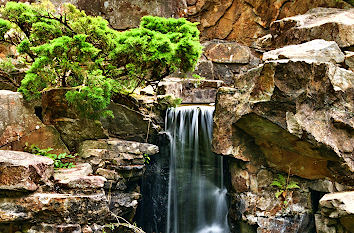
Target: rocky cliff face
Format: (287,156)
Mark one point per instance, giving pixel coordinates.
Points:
(246,20)
(292,115)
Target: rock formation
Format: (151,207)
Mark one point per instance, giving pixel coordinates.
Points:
(292,115)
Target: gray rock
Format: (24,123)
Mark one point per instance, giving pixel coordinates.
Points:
(325,186)
(340,204)
(22,171)
(128,123)
(275,102)
(316,50)
(342,79)
(337,210)
(320,23)
(322,225)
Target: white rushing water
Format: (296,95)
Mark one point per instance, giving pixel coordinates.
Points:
(196,193)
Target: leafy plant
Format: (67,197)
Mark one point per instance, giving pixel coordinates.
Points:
(59,160)
(198,79)
(168,101)
(284,185)
(146,158)
(71,49)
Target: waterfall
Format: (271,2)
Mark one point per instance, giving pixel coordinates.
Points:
(196,193)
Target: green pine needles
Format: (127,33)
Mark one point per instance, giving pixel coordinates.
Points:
(71,49)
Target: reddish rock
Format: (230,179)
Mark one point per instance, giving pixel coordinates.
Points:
(21,171)
(246,20)
(20,125)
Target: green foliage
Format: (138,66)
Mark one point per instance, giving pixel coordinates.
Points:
(168,101)
(59,160)
(283,185)
(146,158)
(71,49)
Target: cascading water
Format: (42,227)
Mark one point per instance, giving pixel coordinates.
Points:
(182,189)
(196,193)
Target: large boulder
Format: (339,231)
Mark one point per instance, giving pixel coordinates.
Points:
(246,20)
(222,60)
(21,171)
(20,126)
(320,23)
(227,52)
(298,113)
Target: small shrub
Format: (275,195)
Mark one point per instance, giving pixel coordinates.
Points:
(284,185)
(60,161)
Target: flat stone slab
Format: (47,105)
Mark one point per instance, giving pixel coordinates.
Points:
(341,203)
(316,50)
(190,90)
(22,171)
(53,228)
(78,177)
(101,146)
(54,208)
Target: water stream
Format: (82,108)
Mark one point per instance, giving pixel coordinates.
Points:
(195,196)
